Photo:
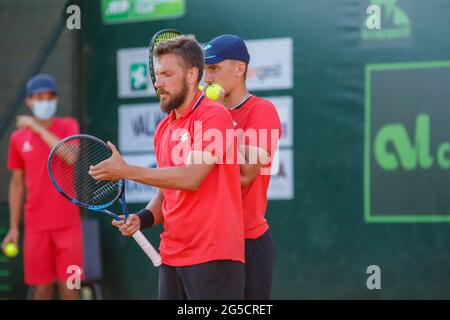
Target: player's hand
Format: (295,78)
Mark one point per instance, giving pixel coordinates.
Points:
(129,227)
(11,236)
(110,169)
(23,122)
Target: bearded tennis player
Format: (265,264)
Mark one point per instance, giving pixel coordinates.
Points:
(199,195)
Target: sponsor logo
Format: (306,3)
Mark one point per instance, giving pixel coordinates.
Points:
(138,76)
(407,142)
(268,68)
(27,147)
(123,11)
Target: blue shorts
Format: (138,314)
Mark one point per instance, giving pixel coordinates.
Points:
(259,259)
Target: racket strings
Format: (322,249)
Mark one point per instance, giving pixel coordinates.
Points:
(70,166)
(165,36)
(82,163)
(104,191)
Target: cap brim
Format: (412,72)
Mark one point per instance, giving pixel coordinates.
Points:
(43,89)
(213,60)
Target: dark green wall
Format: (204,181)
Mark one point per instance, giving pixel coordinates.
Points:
(323,243)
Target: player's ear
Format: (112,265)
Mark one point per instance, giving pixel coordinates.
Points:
(192,76)
(240,69)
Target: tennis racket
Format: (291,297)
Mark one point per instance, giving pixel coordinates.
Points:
(68,166)
(161,35)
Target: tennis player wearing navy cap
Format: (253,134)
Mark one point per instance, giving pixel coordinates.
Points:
(226,63)
(53,238)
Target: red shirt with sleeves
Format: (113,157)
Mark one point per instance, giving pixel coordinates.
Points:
(45,208)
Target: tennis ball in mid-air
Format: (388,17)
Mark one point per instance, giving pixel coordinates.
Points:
(11,250)
(213,91)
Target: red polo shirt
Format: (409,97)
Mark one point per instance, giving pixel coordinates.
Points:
(258,114)
(45,208)
(207,224)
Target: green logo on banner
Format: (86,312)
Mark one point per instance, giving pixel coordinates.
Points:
(404,153)
(407,142)
(394,22)
(121,11)
(138,76)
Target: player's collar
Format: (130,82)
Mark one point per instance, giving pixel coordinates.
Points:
(240,104)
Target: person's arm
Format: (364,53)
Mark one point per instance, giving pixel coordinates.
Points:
(15,198)
(29,122)
(256,156)
(152,213)
(146,218)
(187,178)
(253,158)
(155,207)
(49,138)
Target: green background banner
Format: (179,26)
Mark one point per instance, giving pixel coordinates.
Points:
(324,244)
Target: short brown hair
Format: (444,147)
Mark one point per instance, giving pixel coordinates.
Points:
(187,48)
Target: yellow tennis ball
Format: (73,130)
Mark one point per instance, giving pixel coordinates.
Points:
(213,91)
(11,250)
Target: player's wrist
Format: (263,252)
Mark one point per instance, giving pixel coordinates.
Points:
(128,172)
(13,228)
(146,218)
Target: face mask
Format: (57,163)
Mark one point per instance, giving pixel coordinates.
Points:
(44,109)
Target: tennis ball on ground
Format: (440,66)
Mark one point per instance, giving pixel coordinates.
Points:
(11,250)
(213,91)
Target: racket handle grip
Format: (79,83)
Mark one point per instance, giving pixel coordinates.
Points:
(148,248)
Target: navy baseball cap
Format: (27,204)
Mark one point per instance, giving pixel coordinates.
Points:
(41,83)
(226,46)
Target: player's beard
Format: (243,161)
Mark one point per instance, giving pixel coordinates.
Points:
(176,99)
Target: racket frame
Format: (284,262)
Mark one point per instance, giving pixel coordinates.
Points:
(100,208)
(151,48)
(138,235)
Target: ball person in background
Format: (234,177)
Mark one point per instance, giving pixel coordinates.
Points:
(53,233)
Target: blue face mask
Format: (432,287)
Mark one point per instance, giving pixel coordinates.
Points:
(44,109)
